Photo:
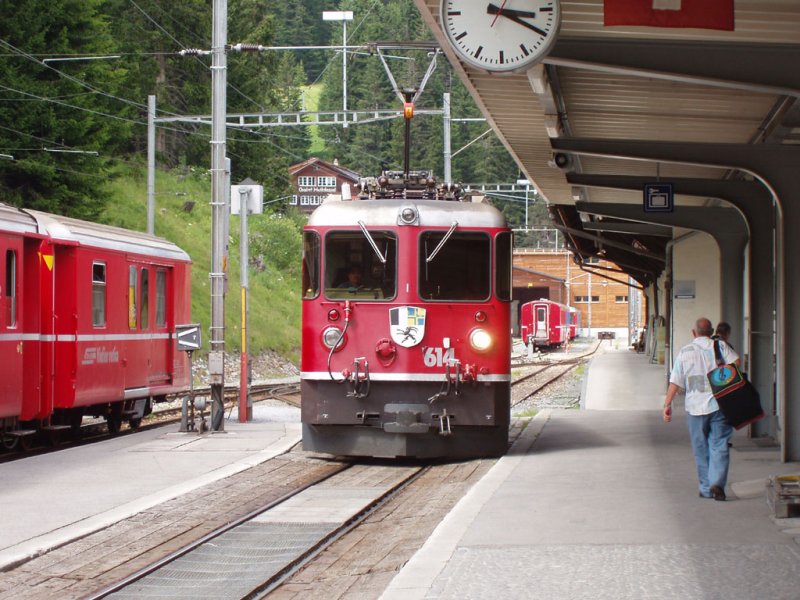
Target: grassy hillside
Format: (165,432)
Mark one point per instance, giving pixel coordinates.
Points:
(311,96)
(274,282)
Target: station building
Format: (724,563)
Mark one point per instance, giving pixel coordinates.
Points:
(315,179)
(611,303)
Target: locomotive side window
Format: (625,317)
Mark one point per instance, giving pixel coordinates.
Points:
(310,264)
(144,317)
(503,266)
(460,270)
(132,285)
(161,298)
(360,264)
(98,294)
(10,289)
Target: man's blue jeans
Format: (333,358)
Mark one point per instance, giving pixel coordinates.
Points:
(710,435)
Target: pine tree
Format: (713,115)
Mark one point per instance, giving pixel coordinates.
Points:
(66,106)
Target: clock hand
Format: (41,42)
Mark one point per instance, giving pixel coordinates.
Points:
(492,9)
(530,26)
(497,13)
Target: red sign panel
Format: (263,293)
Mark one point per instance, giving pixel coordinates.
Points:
(700,14)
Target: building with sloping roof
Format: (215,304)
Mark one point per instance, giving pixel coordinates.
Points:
(315,179)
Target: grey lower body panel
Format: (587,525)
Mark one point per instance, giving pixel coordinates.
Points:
(399,419)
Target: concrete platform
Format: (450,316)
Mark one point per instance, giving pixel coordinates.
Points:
(602,503)
(48,500)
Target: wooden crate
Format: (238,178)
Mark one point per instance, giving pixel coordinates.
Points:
(783,495)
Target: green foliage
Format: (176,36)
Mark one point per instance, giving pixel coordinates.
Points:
(59,107)
(274,280)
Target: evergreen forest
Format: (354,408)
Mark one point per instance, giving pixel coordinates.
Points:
(76,74)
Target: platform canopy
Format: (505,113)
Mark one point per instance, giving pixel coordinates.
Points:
(605,94)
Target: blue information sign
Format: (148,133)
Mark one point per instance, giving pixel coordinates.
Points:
(658,197)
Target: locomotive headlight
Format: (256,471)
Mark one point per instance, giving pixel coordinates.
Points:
(408,216)
(480,340)
(332,336)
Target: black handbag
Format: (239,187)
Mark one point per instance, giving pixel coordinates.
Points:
(737,398)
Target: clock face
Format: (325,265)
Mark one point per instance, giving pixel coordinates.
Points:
(500,35)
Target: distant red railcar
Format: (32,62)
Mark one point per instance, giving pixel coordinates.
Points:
(87,322)
(574,322)
(406,323)
(544,323)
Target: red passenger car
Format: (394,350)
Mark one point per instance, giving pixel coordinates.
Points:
(406,341)
(574,322)
(87,321)
(544,323)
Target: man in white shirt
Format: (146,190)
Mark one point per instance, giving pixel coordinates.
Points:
(708,430)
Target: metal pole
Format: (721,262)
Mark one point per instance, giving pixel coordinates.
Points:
(219,214)
(344,71)
(527,188)
(151,164)
(589,291)
(448,154)
(244,387)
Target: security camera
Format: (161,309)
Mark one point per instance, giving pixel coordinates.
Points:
(562,161)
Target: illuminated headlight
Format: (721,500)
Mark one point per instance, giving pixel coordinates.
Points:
(332,336)
(480,340)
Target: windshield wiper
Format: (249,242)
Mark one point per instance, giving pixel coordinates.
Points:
(443,242)
(372,242)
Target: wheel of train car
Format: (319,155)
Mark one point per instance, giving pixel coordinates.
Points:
(24,443)
(9,442)
(114,418)
(134,423)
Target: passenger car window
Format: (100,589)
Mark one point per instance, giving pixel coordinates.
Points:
(132,285)
(460,270)
(161,298)
(10,288)
(98,294)
(144,301)
(354,268)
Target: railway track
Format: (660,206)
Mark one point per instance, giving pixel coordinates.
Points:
(290,561)
(545,376)
(251,556)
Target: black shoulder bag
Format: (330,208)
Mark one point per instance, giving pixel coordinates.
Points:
(737,398)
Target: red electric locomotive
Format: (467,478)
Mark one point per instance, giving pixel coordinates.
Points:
(406,327)
(544,323)
(87,321)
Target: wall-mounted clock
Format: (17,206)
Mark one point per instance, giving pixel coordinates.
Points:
(501,35)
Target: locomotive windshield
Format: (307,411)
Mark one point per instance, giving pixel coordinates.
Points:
(460,270)
(360,266)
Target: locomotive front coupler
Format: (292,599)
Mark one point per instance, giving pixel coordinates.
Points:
(450,384)
(360,383)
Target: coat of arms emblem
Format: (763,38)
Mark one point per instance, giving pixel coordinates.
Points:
(407,325)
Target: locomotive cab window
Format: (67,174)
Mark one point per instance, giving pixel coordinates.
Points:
(98,294)
(503,266)
(360,264)
(310,264)
(455,267)
(10,289)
